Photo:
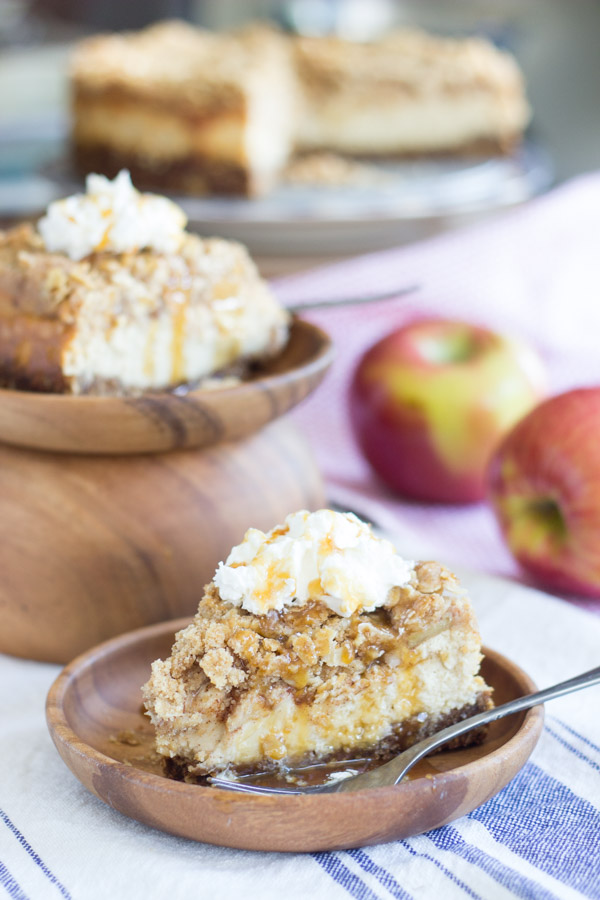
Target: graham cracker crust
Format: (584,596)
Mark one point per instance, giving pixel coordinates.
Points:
(481,147)
(192,175)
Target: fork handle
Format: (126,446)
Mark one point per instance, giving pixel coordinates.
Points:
(299,308)
(394,770)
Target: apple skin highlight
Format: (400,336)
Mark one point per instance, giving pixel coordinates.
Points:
(430,402)
(544,486)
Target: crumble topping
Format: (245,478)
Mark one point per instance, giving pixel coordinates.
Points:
(414,59)
(225,643)
(174,62)
(172,59)
(213,271)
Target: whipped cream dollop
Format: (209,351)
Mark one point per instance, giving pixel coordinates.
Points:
(327,556)
(112,216)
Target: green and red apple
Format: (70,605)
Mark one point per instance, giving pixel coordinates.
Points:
(430,402)
(544,485)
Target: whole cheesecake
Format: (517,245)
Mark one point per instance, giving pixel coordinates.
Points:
(315,641)
(190,110)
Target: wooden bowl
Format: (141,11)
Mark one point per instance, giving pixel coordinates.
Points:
(95,719)
(93,546)
(156,422)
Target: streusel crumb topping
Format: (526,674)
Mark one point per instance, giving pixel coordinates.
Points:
(35,281)
(301,646)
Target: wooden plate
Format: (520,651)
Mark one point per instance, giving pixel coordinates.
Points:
(156,422)
(95,719)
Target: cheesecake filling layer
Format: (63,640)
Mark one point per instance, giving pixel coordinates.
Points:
(419,125)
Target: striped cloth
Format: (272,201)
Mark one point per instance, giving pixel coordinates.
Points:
(538,839)
(533,272)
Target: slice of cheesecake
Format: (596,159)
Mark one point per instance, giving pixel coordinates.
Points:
(314,642)
(184,109)
(110,294)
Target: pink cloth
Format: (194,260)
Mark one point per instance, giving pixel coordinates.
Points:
(534,271)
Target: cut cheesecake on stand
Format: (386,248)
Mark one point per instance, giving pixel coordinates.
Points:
(315,641)
(189,110)
(110,294)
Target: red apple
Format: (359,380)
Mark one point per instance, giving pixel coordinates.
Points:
(430,402)
(544,485)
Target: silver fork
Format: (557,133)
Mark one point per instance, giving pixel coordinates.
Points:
(342,302)
(394,771)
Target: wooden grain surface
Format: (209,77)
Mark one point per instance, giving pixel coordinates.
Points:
(93,546)
(158,422)
(94,715)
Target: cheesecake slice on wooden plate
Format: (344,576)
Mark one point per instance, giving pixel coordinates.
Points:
(315,642)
